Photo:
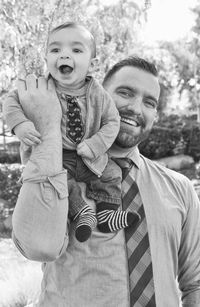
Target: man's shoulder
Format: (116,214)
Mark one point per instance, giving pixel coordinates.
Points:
(164,171)
(96,88)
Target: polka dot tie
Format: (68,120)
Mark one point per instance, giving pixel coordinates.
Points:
(74,124)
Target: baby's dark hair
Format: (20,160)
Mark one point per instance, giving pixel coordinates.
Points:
(74,25)
(133,61)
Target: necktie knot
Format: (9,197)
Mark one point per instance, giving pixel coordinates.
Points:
(125,164)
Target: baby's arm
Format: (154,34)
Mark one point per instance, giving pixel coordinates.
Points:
(101,141)
(84,151)
(27,133)
(18,122)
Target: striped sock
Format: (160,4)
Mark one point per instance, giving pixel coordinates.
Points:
(111,220)
(86,222)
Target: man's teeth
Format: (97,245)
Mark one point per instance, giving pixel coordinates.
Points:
(129,121)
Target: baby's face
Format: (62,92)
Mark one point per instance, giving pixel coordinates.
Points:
(69,56)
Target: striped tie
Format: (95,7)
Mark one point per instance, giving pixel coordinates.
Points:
(137,240)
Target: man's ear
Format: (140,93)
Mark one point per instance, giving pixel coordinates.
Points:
(156,118)
(93,65)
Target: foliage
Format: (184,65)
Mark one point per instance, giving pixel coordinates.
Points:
(25,24)
(161,57)
(9,176)
(173,135)
(9,158)
(191,134)
(183,56)
(117,27)
(162,142)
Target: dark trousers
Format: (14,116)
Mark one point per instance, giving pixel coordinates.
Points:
(106,188)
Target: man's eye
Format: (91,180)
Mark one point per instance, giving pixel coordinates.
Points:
(151,104)
(76,50)
(125,94)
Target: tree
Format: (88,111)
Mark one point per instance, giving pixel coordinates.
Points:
(24,26)
(195,44)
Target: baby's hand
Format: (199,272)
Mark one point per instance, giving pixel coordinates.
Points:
(84,151)
(27,133)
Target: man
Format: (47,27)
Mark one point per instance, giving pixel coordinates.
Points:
(96,273)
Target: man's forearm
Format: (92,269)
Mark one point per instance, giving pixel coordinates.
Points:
(40,215)
(46,158)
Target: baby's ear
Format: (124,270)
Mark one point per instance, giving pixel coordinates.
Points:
(93,65)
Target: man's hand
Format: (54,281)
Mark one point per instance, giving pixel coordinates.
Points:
(40,103)
(84,151)
(27,133)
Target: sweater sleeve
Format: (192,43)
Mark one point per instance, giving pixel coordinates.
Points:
(100,142)
(12,111)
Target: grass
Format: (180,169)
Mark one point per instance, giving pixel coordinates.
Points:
(20,279)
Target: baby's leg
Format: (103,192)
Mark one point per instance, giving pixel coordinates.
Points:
(106,190)
(79,210)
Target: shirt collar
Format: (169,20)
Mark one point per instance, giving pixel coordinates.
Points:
(78,92)
(132,153)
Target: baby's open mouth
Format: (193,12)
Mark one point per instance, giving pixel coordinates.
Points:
(65,69)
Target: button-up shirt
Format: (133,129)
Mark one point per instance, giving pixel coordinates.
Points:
(95,273)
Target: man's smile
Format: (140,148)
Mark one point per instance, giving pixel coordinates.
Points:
(133,120)
(129,121)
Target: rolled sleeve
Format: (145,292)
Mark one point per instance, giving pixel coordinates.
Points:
(40,218)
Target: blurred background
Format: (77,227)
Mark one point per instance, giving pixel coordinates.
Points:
(166,32)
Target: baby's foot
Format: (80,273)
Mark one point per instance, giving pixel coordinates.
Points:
(86,222)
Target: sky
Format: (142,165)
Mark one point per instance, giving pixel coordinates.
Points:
(167,19)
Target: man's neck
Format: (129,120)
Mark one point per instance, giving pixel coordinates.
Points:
(131,153)
(121,151)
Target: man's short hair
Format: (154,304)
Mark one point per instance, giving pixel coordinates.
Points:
(133,61)
(75,25)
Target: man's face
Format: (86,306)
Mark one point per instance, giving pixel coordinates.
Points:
(69,56)
(135,93)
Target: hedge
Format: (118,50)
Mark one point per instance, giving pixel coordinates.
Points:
(173,135)
(9,186)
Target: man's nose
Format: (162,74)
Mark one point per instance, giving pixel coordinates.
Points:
(135,105)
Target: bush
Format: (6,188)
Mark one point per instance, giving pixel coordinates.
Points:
(5,157)
(173,135)
(9,186)
(163,142)
(191,135)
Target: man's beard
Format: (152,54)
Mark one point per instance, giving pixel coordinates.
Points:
(126,140)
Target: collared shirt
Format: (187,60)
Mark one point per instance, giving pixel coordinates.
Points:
(95,273)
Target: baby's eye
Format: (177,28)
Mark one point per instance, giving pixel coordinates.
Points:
(76,50)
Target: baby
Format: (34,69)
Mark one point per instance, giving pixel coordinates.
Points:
(89,126)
